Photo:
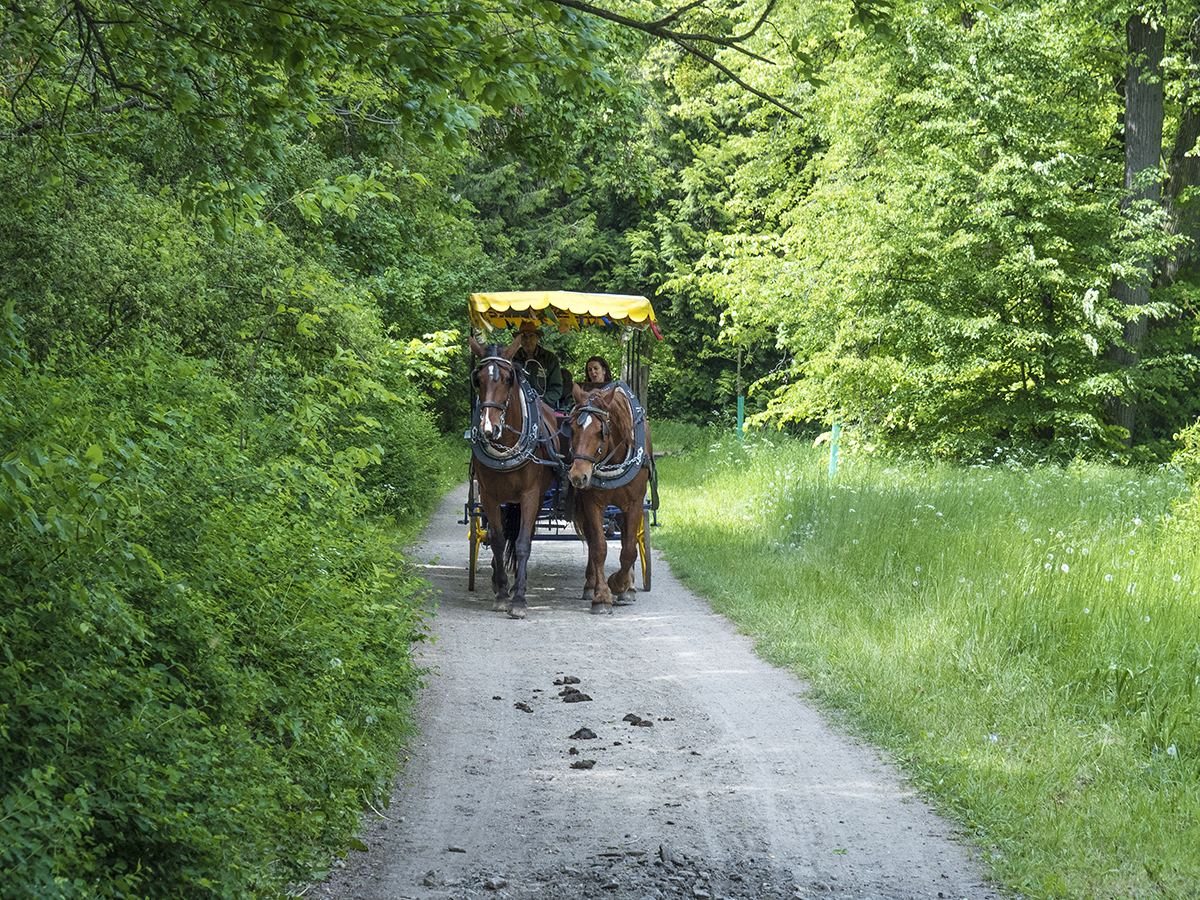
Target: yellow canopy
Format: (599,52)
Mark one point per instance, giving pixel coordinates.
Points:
(563,310)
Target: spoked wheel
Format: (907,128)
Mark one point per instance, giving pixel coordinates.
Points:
(643,542)
(475,530)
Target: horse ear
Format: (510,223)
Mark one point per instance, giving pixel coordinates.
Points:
(512,348)
(578,393)
(476,347)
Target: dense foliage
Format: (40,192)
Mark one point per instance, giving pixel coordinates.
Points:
(206,649)
(230,260)
(237,244)
(939,267)
(935,240)
(205,625)
(218,91)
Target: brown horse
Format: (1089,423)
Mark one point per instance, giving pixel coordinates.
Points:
(612,465)
(515,449)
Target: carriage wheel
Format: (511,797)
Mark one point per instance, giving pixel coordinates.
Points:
(474,537)
(473,553)
(643,540)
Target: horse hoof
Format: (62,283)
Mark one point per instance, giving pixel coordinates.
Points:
(623,599)
(589,595)
(517,611)
(501,606)
(598,608)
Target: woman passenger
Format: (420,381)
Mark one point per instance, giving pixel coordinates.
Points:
(597,371)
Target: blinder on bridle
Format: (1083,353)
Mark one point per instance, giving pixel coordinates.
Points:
(605,430)
(497,364)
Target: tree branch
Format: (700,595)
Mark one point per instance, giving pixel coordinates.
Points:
(716,65)
(657,29)
(43,121)
(687,41)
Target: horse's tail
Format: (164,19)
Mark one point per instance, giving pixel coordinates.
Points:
(512,530)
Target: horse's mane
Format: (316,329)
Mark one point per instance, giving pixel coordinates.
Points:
(619,411)
(623,415)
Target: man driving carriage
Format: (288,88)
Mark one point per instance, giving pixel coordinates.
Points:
(541,366)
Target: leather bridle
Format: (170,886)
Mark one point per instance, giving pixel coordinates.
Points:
(492,404)
(605,430)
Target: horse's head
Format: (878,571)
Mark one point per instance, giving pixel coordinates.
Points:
(495,380)
(601,425)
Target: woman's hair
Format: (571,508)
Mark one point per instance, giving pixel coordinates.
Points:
(603,364)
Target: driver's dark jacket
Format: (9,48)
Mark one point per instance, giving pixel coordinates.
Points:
(544,373)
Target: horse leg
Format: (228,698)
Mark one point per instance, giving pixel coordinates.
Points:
(581,515)
(529,510)
(601,599)
(589,571)
(621,581)
(495,518)
(499,575)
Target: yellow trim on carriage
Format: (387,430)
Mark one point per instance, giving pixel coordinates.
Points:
(561,310)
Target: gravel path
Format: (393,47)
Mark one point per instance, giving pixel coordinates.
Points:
(708,774)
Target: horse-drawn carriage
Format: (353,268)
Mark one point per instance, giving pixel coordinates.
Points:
(581,472)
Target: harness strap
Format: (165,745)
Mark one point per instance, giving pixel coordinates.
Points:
(606,477)
(605,429)
(530,437)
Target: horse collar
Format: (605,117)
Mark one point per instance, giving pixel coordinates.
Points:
(606,477)
(499,456)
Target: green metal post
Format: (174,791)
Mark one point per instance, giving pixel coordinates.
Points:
(741,399)
(833,447)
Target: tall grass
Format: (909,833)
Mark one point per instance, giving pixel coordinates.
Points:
(1025,640)
(674,437)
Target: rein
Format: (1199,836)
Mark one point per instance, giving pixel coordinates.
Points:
(605,429)
(500,456)
(605,476)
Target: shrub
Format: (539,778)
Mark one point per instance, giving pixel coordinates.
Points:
(408,478)
(1187,457)
(204,652)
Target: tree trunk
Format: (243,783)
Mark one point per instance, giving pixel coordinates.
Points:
(1143,150)
(1183,171)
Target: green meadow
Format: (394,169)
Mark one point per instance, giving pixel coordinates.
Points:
(1023,640)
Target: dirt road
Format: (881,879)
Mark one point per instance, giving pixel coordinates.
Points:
(731,785)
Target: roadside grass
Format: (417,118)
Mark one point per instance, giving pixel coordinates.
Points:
(1024,641)
(675,437)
